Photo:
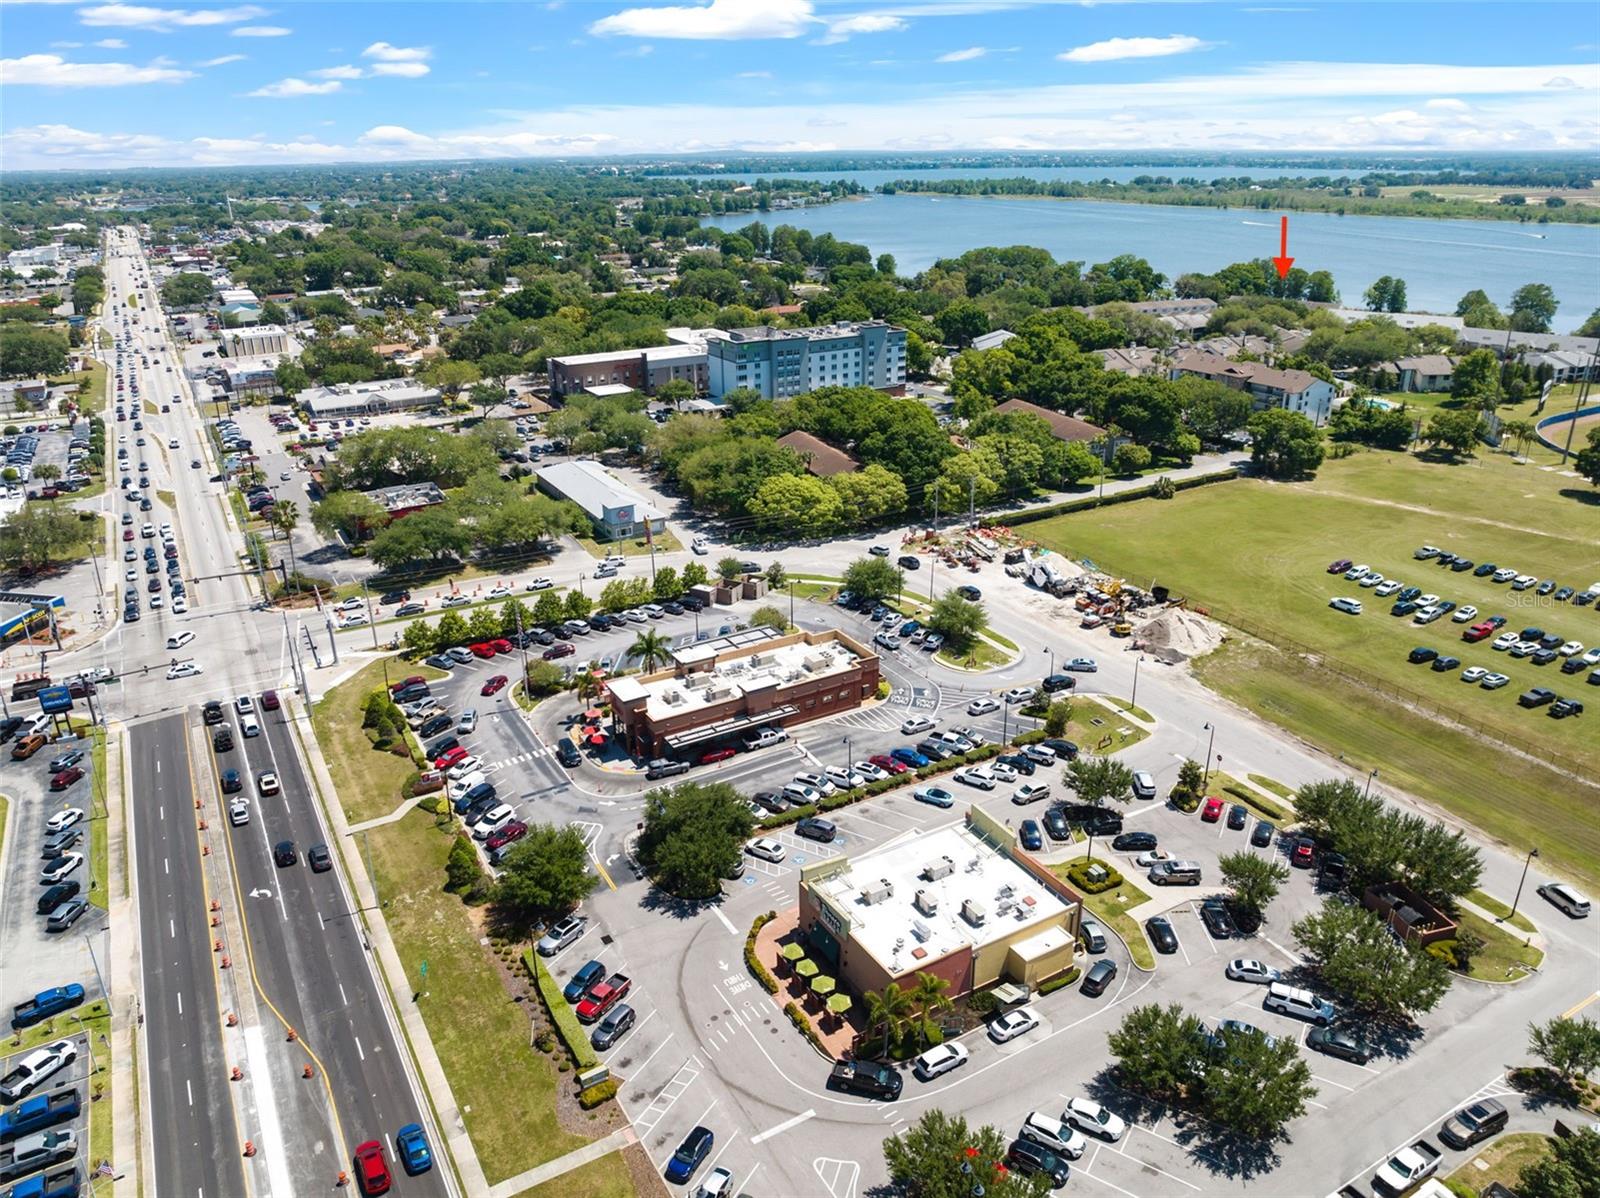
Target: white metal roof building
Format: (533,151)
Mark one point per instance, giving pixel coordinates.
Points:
(366,399)
(617,510)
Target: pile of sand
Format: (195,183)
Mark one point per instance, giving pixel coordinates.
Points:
(1178,634)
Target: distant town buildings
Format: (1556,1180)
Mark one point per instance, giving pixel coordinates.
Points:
(784,362)
(1066,428)
(1425,372)
(403,500)
(643,370)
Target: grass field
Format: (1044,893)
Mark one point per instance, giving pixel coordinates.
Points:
(1504,957)
(1505,1159)
(979,655)
(1111,908)
(1097,730)
(1345,684)
(639,547)
(505,1088)
(605,1178)
(368,781)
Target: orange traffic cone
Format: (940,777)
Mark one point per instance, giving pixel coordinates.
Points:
(249,1147)
(233,1020)
(236,1074)
(226,962)
(215,905)
(292,1035)
(216,946)
(306,1072)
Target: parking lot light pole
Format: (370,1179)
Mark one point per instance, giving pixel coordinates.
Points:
(1532,853)
(1206,778)
(1370,777)
(1133,700)
(847,755)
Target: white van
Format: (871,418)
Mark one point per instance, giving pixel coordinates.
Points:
(1302,1004)
(1559,894)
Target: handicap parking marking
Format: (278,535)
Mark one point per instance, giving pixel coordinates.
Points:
(838,1177)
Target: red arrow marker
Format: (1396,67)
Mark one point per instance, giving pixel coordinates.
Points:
(1283,262)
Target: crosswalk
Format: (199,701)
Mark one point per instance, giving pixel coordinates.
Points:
(519,759)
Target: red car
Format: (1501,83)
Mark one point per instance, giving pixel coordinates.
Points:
(127,534)
(65,778)
(495,685)
(713,755)
(1303,850)
(888,764)
(414,680)
(1340,566)
(445,761)
(269,700)
(371,1171)
(501,645)
(1478,632)
(502,836)
(1213,810)
(484,650)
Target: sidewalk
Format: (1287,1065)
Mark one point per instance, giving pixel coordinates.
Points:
(130,1147)
(623,1137)
(429,1069)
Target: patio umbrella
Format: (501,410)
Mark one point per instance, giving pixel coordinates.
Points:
(597,738)
(594,713)
(840,1003)
(807,968)
(792,952)
(823,985)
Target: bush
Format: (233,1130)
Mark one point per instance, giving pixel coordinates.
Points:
(983,1002)
(1250,799)
(1078,871)
(1059,981)
(462,869)
(803,1025)
(752,962)
(595,1095)
(883,689)
(1183,800)
(1163,488)
(566,1022)
(1443,950)
(1031,737)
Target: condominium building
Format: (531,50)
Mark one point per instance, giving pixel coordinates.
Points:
(784,362)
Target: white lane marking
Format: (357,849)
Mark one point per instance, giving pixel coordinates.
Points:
(362,1055)
(163,810)
(271,1138)
(166,866)
(717,911)
(341,994)
(189,1089)
(158,767)
(637,1072)
(172,930)
(180,1002)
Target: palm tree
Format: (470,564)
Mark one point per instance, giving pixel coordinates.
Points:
(585,686)
(1519,431)
(286,518)
(929,995)
(651,648)
(887,1009)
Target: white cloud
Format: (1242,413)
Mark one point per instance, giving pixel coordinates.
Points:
(66,45)
(754,75)
(865,22)
(966,55)
(1118,48)
(51,70)
(262,31)
(401,70)
(112,43)
(289,89)
(721,20)
(384,52)
(139,16)
(342,72)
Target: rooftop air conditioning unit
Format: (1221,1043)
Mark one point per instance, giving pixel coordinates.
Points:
(973,912)
(926,901)
(921,930)
(672,697)
(879,891)
(943,867)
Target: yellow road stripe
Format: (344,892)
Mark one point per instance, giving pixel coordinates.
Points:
(1568,1014)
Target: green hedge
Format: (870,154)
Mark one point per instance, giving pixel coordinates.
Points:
(983,1002)
(1090,501)
(562,1015)
(1077,874)
(1059,981)
(1031,737)
(1263,806)
(752,962)
(798,1018)
(595,1095)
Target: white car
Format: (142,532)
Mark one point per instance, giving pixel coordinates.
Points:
(1504,575)
(1427,600)
(463,784)
(1571,649)
(454,601)
(1428,615)
(1504,641)
(1356,573)
(765,848)
(1388,587)
(463,767)
(238,811)
(36,1067)
(183,669)
(976,776)
(1095,1119)
(60,868)
(1055,1134)
(1002,772)
(353,619)
(1152,857)
(172,443)
(1030,792)
(845,779)
(539,584)
(1244,969)
(179,639)
(499,591)
(1372,580)
(267,782)
(1474,674)
(1462,614)
(1592,657)
(1350,606)
(1523,581)
(62,820)
(1493,682)
(1425,553)
(1012,1024)
(941,1058)
(718,1184)
(492,819)
(870,772)
(916,724)
(180,604)
(817,782)
(244,704)
(699,546)
(1524,648)
(1018,694)
(348,605)
(981,706)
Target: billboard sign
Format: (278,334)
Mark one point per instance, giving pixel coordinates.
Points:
(55,699)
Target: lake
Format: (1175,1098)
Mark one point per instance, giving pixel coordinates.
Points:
(1440,260)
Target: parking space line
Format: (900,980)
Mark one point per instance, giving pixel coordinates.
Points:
(1153,1168)
(1330,1082)
(780,1128)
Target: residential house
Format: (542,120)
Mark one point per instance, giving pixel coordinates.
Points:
(1066,428)
(1424,372)
(822,459)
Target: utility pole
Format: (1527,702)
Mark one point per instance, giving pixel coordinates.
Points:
(1581,398)
(333,640)
(372,622)
(972,502)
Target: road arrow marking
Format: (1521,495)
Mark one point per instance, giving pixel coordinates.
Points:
(261,893)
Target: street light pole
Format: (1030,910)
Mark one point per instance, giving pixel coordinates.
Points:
(1206,778)
(847,755)
(372,622)
(1133,700)
(1532,853)
(1370,777)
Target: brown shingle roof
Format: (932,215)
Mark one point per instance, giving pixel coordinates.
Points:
(822,459)
(1067,428)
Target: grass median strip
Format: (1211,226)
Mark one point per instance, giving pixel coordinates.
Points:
(1500,910)
(1503,1161)
(99,850)
(1111,907)
(607,1177)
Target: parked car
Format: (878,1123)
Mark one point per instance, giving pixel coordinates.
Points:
(1161,934)
(1011,1024)
(1335,1042)
(561,934)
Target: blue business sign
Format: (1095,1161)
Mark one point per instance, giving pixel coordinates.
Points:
(54,699)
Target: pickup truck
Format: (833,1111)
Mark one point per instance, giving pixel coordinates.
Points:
(31,1072)
(603,996)
(58,1183)
(45,1004)
(1406,1168)
(37,1151)
(867,1077)
(38,1113)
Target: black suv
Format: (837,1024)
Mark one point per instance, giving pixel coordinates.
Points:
(213,712)
(222,740)
(816,829)
(567,754)
(1028,1158)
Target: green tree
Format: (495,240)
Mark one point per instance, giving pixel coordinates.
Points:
(676,392)
(1533,307)
(1569,1046)
(285,519)
(777,577)
(1056,717)
(1284,444)
(1255,1088)
(1097,779)
(448,376)
(40,534)
(1253,879)
(872,578)
(47,472)
(186,290)
(545,875)
(451,630)
(919,357)
(768,616)
(797,505)
(1590,327)
(960,322)
(1454,432)
(693,837)
(694,575)
(462,870)
(577,605)
(514,617)
(483,623)
(1571,1169)
(651,648)
(419,637)
(960,621)
(1360,960)
(1191,775)
(348,514)
(940,1156)
(667,584)
(549,608)
(543,678)
(868,495)
(1159,1050)
(291,377)
(1587,460)
(27,352)
(1388,294)
(730,569)
(1477,379)
(1130,458)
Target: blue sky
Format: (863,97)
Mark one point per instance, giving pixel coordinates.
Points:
(92,85)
